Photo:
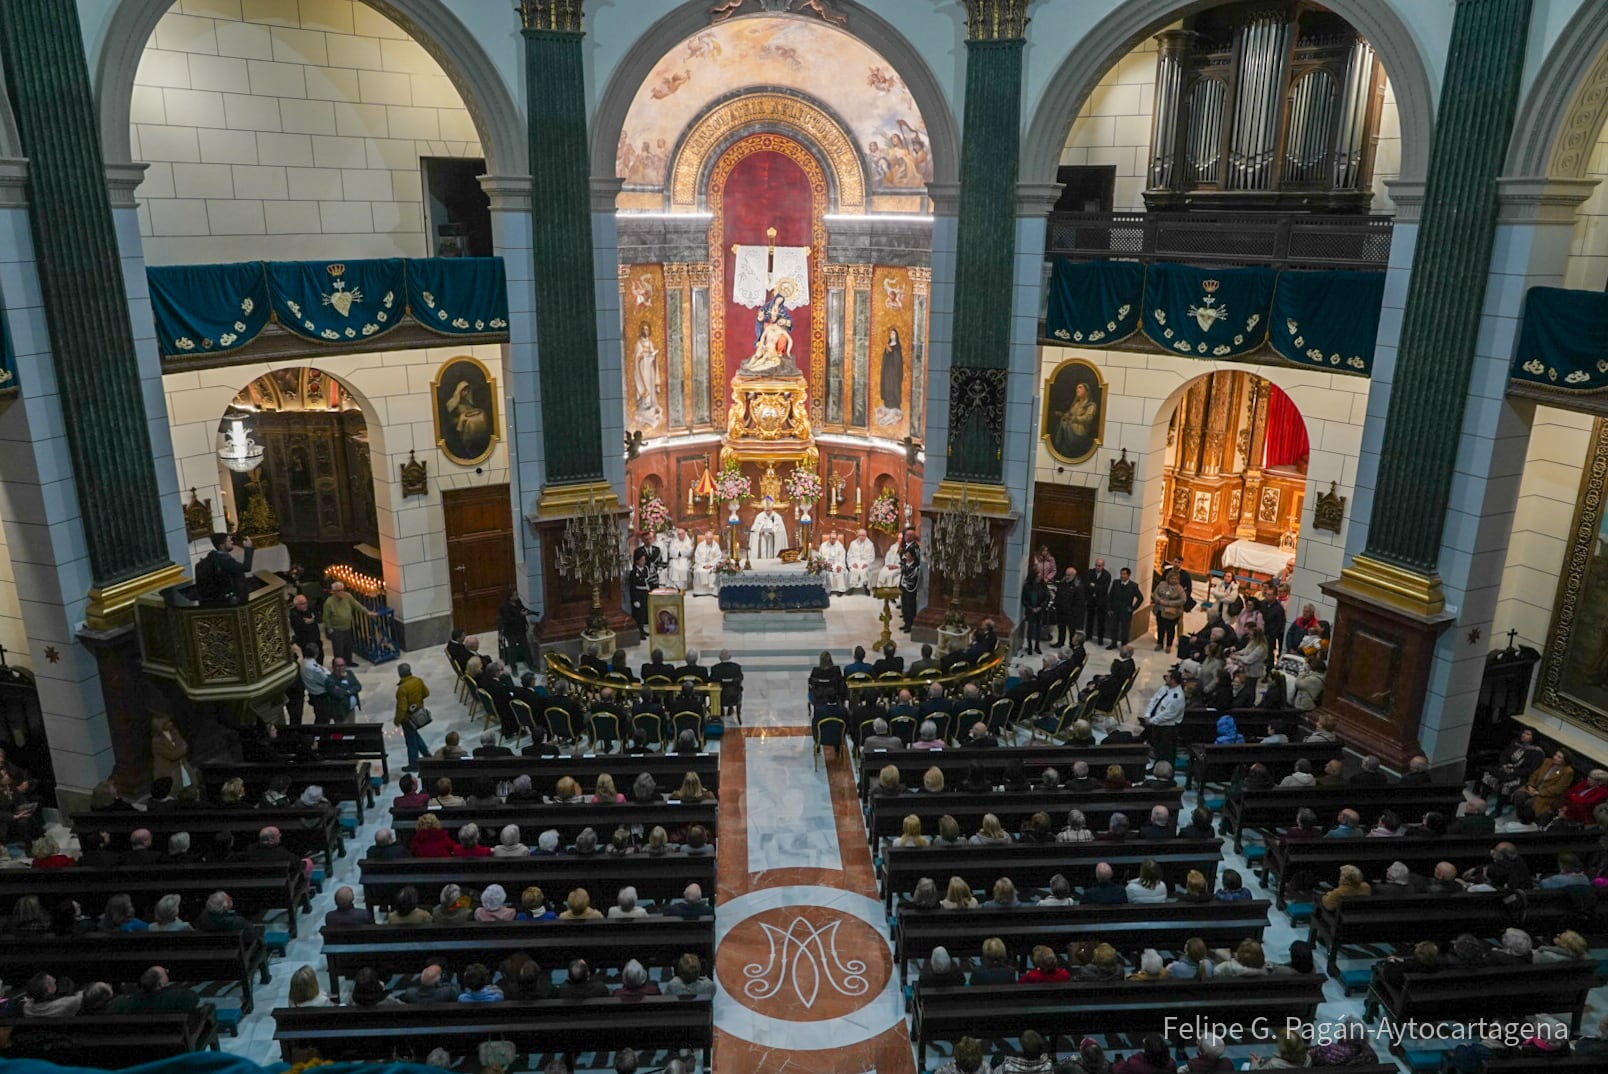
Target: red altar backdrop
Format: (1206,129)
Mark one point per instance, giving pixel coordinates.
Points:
(766,190)
(1285,445)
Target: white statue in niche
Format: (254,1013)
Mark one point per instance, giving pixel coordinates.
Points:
(645,378)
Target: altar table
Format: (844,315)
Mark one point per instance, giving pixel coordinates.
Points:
(1254,556)
(772,591)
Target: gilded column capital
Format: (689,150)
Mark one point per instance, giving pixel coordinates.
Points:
(996,20)
(560,16)
(836,276)
(675,275)
(860,277)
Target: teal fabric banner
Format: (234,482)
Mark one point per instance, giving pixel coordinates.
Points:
(1563,339)
(458,296)
(1094,303)
(215,309)
(9,384)
(1207,313)
(209,309)
(338,302)
(1327,319)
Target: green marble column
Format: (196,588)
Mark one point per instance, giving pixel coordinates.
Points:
(86,307)
(561,240)
(1451,262)
(985,239)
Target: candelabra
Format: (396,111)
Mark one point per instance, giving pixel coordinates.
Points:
(962,549)
(591,551)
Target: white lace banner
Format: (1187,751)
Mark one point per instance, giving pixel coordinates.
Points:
(754,274)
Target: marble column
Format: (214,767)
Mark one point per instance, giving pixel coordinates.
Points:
(1391,599)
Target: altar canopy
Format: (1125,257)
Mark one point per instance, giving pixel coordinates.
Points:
(215,309)
(1313,319)
(1563,340)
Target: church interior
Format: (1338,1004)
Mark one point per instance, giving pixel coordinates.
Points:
(693,509)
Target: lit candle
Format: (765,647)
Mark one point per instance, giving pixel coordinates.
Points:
(857,497)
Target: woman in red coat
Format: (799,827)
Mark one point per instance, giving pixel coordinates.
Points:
(430,840)
(1584,797)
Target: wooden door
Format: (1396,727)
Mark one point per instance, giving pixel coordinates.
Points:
(1063,518)
(480,553)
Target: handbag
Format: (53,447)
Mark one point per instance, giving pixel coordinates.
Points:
(418,717)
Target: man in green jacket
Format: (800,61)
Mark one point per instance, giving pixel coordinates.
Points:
(341,610)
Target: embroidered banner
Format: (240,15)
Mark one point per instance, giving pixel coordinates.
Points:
(337,301)
(1207,313)
(1563,339)
(454,296)
(8,359)
(1094,303)
(215,309)
(208,309)
(1327,319)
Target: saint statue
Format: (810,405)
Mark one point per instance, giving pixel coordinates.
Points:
(773,336)
(768,536)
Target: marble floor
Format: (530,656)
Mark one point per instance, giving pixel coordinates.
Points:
(804,966)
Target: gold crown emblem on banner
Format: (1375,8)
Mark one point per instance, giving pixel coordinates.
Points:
(1210,287)
(335,270)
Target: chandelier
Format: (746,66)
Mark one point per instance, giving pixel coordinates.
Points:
(238,451)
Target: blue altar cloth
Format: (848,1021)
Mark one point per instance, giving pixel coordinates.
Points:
(761,591)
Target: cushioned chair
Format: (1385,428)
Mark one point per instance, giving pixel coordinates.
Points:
(830,731)
(604,729)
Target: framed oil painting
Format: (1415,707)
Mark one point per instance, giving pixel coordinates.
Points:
(464,394)
(1074,411)
(1574,661)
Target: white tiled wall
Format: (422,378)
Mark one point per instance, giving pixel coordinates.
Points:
(1559,443)
(1142,392)
(1113,128)
(393,388)
(288,130)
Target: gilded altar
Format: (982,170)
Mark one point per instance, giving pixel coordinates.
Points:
(768,412)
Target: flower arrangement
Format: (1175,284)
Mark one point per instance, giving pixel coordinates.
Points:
(728,566)
(884,513)
(732,485)
(653,515)
(804,486)
(815,564)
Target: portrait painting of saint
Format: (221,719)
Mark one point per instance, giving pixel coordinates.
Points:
(1074,411)
(465,397)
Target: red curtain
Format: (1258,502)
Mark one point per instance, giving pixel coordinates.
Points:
(1285,447)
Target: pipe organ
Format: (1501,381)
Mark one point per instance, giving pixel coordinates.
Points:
(1264,107)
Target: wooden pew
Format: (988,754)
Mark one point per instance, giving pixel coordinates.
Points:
(1293,860)
(254,887)
(652,940)
(190,957)
(1211,763)
(1035,759)
(1071,1010)
(1031,865)
(656,879)
(1405,919)
(1497,993)
(1249,810)
(1539,1064)
(569,1027)
(1014,807)
(339,741)
(342,780)
(1164,926)
(1200,725)
(309,832)
(110,1040)
(545,772)
(534,818)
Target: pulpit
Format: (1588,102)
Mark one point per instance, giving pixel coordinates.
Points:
(667,623)
(218,652)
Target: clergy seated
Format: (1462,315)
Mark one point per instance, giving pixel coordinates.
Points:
(705,558)
(888,573)
(862,562)
(835,557)
(680,560)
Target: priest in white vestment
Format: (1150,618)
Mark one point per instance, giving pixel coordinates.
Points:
(681,561)
(836,559)
(889,574)
(768,536)
(705,579)
(862,556)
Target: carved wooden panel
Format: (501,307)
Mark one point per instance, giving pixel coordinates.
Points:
(1373,670)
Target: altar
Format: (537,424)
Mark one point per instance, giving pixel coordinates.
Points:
(773,597)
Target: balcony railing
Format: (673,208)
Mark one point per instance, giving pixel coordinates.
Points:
(1277,240)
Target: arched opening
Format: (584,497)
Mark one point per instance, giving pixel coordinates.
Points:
(1234,481)
(304,493)
(775,244)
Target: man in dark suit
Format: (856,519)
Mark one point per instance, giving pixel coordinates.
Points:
(936,704)
(924,663)
(889,661)
(219,577)
(1159,826)
(953,657)
(559,697)
(532,695)
(267,848)
(1370,776)
(657,668)
(593,663)
(1069,614)
(1096,596)
(858,666)
(692,668)
(608,701)
(304,626)
(488,747)
(457,651)
(501,688)
(729,674)
(984,641)
(140,851)
(689,699)
(346,910)
(386,848)
(1105,891)
(1124,600)
(1108,687)
(903,705)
